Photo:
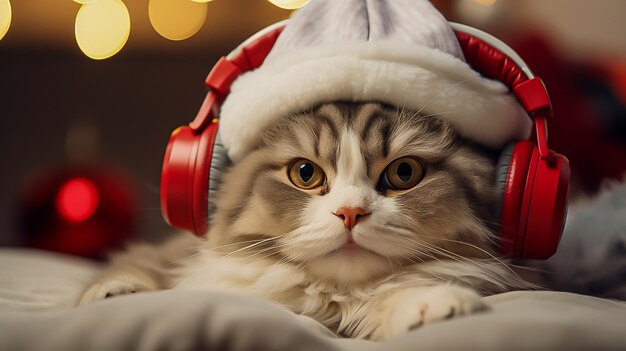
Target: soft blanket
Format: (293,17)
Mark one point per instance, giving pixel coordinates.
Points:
(38,290)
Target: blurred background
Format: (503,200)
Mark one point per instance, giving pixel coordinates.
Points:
(85,124)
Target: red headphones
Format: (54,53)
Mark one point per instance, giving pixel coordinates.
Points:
(533,180)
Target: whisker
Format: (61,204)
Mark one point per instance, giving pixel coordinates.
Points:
(470,245)
(238,243)
(250,246)
(479,263)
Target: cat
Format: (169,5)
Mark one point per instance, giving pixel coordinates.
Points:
(373,220)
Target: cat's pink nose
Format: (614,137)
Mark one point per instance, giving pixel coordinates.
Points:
(350,215)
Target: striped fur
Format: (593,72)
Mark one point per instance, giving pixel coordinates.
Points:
(272,239)
(429,247)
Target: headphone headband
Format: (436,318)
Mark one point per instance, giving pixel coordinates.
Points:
(496,44)
(256,36)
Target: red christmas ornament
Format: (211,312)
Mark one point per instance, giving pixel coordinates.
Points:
(79,211)
(77,200)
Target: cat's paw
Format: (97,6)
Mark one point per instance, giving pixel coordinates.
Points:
(114,285)
(413,308)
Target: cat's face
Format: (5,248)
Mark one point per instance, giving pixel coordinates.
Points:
(354,191)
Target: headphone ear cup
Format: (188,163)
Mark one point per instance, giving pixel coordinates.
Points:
(175,178)
(185,178)
(547,208)
(512,174)
(533,201)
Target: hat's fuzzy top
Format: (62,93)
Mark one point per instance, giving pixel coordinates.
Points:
(418,72)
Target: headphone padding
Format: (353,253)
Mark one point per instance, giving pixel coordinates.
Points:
(489,60)
(513,197)
(219,163)
(501,177)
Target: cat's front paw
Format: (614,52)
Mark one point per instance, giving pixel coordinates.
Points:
(114,285)
(413,308)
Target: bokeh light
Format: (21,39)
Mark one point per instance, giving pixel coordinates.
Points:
(485,2)
(201,0)
(177,19)
(84,2)
(289,4)
(102,28)
(77,200)
(5,17)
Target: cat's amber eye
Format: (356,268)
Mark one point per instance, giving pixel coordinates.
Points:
(404,173)
(306,174)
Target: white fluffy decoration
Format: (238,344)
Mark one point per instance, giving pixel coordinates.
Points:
(408,76)
(591,258)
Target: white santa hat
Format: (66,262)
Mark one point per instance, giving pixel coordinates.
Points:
(400,52)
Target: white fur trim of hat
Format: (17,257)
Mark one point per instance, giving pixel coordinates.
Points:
(399,52)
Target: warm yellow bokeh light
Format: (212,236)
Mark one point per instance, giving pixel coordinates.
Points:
(485,2)
(201,0)
(177,19)
(102,28)
(85,2)
(289,4)
(5,17)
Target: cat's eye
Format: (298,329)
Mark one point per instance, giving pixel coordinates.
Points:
(404,173)
(305,174)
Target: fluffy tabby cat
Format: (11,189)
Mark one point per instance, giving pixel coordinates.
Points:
(369,219)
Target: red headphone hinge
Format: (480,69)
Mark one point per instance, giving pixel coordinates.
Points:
(533,96)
